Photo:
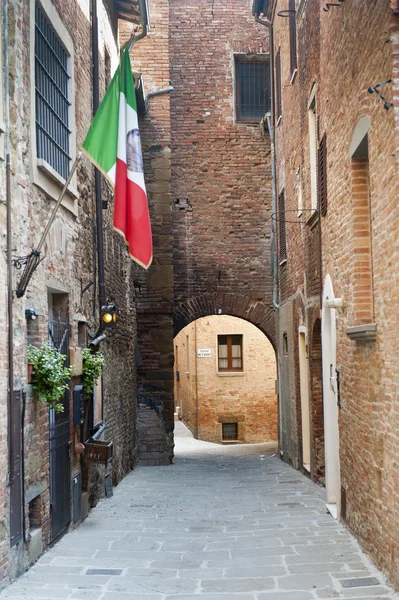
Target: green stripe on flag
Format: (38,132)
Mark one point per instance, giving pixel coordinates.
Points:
(127,83)
(102,138)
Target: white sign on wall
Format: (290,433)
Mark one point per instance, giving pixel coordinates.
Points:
(204,352)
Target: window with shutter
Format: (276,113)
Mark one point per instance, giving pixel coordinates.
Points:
(281,227)
(279,109)
(313,153)
(323,175)
(293,48)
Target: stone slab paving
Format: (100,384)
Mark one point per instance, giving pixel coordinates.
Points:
(222,522)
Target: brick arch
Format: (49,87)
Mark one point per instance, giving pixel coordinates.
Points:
(235,305)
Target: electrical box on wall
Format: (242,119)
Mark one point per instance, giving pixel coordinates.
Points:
(78,405)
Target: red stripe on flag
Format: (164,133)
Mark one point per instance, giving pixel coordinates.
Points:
(131,216)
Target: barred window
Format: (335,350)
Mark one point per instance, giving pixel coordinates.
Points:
(252,87)
(52,91)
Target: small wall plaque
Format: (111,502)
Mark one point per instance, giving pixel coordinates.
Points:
(204,352)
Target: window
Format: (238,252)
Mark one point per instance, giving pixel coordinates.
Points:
(285,344)
(362,241)
(229,431)
(279,108)
(230,353)
(52,96)
(312,121)
(282,238)
(252,87)
(323,175)
(293,49)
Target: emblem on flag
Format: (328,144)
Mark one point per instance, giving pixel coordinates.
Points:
(113,145)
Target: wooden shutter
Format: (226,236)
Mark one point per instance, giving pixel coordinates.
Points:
(293,49)
(281,227)
(322,172)
(279,111)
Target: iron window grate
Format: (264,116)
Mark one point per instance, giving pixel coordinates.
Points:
(229,431)
(52,80)
(253,90)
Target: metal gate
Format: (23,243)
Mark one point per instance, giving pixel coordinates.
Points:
(60,494)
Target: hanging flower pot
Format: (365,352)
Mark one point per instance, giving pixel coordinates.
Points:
(51,377)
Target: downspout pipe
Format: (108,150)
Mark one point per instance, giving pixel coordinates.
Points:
(10,331)
(145,24)
(270,117)
(97,174)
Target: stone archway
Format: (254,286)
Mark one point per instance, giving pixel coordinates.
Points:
(235,305)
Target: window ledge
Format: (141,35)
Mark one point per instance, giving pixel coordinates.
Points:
(362,333)
(51,182)
(293,76)
(283,262)
(48,169)
(231,374)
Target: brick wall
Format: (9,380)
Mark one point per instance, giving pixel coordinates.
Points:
(246,398)
(340,54)
(154,291)
(221,186)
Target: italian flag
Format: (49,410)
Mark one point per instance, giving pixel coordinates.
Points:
(113,145)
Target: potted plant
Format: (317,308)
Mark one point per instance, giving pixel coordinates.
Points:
(50,376)
(92,367)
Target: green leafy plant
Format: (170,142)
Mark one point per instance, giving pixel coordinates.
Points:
(50,376)
(92,369)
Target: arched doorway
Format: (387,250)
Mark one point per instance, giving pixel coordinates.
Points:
(331,431)
(317,416)
(225,381)
(304,390)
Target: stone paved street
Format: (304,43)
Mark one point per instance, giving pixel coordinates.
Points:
(223,522)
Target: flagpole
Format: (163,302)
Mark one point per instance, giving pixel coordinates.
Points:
(60,199)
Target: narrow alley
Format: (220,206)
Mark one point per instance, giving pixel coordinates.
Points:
(222,522)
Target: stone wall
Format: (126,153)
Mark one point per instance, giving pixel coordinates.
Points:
(67,267)
(247,398)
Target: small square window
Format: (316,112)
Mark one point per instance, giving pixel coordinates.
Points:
(252,87)
(230,353)
(229,431)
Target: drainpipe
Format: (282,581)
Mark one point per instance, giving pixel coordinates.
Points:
(10,332)
(97,174)
(271,126)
